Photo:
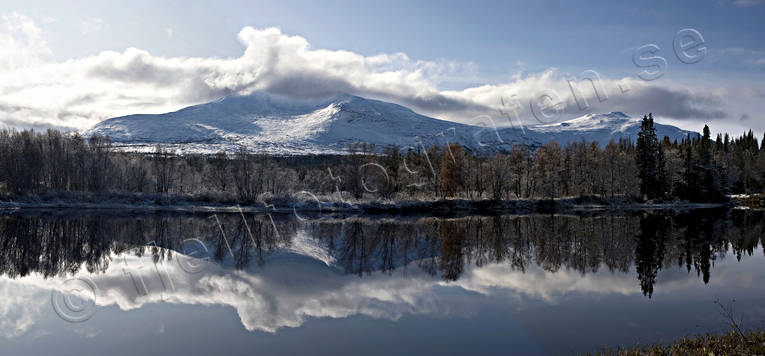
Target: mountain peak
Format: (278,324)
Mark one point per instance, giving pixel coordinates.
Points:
(274,123)
(278,123)
(617,114)
(590,121)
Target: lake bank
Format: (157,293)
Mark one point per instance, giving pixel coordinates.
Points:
(729,343)
(282,205)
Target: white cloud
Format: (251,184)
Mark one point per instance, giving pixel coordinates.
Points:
(21,43)
(80,92)
(92,25)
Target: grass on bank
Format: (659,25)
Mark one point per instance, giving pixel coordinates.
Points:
(730,343)
(737,341)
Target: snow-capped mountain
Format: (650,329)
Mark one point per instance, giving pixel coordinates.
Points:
(601,128)
(277,124)
(273,123)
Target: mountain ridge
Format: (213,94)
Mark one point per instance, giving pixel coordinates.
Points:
(280,124)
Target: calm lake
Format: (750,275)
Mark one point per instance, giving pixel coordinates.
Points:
(123,283)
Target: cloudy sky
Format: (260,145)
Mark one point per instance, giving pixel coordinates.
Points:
(71,64)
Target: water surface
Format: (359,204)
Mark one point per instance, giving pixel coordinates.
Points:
(125,284)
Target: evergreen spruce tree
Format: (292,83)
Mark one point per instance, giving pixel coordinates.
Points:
(726,143)
(705,148)
(709,178)
(719,143)
(650,160)
(705,180)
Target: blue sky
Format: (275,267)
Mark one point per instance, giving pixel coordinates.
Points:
(459,48)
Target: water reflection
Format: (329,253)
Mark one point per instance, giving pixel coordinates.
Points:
(56,244)
(283,272)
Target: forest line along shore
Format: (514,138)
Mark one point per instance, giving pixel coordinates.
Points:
(564,205)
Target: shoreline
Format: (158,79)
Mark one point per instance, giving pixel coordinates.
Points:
(731,342)
(572,205)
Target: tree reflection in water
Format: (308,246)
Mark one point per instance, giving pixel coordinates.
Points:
(60,244)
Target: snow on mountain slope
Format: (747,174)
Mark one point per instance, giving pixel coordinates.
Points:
(601,128)
(278,124)
(272,123)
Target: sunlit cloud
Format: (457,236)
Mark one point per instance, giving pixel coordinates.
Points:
(21,43)
(78,93)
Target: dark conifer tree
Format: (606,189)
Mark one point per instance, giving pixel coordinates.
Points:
(650,160)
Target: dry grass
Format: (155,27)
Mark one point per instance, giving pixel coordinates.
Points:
(731,343)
